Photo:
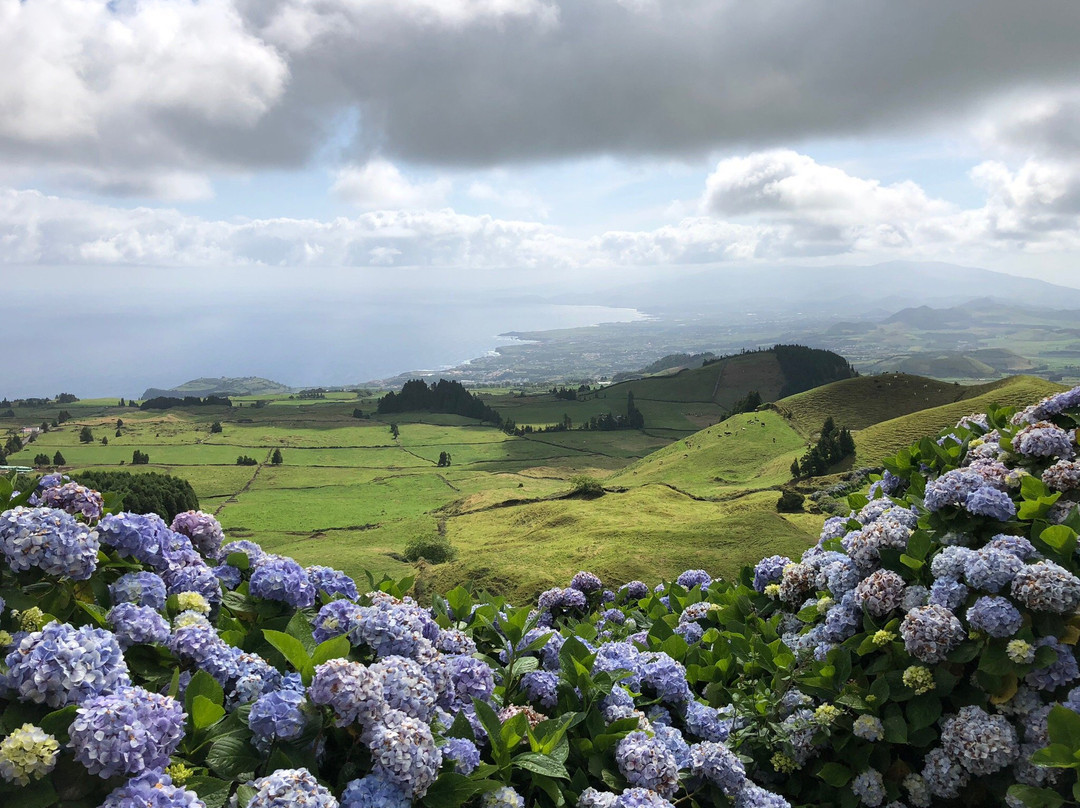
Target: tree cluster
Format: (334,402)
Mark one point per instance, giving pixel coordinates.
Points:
(833,445)
(244,460)
(86,435)
(145,492)
(749,403)
(14,444)
(139,458)
(444,459)
(443,396)
(168,402)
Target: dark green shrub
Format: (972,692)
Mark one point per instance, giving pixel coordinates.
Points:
(433,549)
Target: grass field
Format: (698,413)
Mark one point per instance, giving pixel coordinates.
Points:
(351,495)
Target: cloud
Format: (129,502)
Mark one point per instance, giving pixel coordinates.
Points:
(773,205)
(379,185)
(507,197)
(159,87)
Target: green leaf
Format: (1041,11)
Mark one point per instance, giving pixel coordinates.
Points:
(1064,727)
(895,728)
(334,648)
(923,711)
(203,684)
(204,713)
(835,775)
(57,722)
(38,794)
(1034,797)
(300,628)
(244,795)
(239,560)
(1060,538)
(211,790)
(290,647)
(1032,487)
(1057,756)
(541,764)
(452,790)
(232,757)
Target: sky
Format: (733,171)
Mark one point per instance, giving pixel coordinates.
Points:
(524,136)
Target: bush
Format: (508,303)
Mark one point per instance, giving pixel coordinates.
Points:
(139,458)
(582,485)
(433,549)
(41,460)
(244,460)
(790,502)
(144,492)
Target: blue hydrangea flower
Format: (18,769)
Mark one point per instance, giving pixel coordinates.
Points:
(375,792)
(332,582)
(469,679)
(591,798)
(880,592)
(647,763)
(641,798)
(194,578)
(455,641)
(869,787)
(1043,439)
(287,788)
(406,687)
(1062,671)
(228,575)
(140,588)
(951,488)
(988,501)
(62,665)
(666,677)
(1017,545)
(403,751)
(540,687)
(981,742)
(463,753)
(705,722)
(202,528)
(634,590)
(754,796)
(718,765)
(674,742)
(277,716)
(769,570)
(334,619)
(394,629)
(559,601)
(133,624)
(352,691)
(253,551)
(950,562)
(49,539)
(282,579)
(944,776)
(143,537)
(691,578)
(995,616)
(127,732)
(586,582)
(834,528)
(947,593)
(842,619)
(152,789)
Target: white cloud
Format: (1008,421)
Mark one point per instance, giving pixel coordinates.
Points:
(379,185)
(772,206)
(508,197)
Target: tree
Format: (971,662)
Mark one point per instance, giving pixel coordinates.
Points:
(118,433)
(634,418)
(63,416)
(394,430)
(139,458)
(795,468)
(121,403)
(244,460)
(215,427)
(357,413)
(58,459)
(119,423)
(144,492)
(104,440)
(41,460)
(85,435)
(44,426)
(276,458)
(444,459)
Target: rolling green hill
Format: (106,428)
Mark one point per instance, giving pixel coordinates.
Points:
(239,386)
(888,437)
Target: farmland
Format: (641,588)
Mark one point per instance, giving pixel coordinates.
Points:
(691,489)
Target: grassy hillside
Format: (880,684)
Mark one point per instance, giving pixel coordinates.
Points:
(522,550)
(888,437)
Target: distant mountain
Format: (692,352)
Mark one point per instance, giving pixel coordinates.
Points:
(931,319)
(236,386)
(667,364)
(981,363)
(848,291)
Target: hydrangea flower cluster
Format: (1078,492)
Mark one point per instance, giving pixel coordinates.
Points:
(28,753)
(127,732)
(62,665)
(203,529)
(50,540)
(75,499)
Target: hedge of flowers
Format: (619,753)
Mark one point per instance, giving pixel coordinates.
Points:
(921,653)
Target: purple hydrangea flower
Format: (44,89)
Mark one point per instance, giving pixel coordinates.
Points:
(403,751)
(982,743)
(634,590)
(931,632)
(1047,587)
(665,676)
(291,787)
(995,616)
(140,588)
(144,538)
(203,529)
(880,592)
(62,665)
(1043,439)
(252,550)
(133,624)
(641,798)
(334,619)
(49,539)
(952,488)
(1062,671)
(540,687)
(469,679)
(586,582)
(127,732)
(948,593)
(352,691)
(562,600)
(406,687)
(282,579)
(463,753)
(706,722)
(75,499)
(228,575)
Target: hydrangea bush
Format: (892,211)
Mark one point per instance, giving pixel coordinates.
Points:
(921,653)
